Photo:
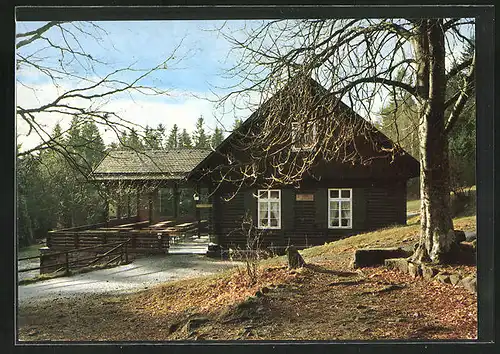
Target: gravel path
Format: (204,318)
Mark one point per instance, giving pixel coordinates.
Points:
(139,275)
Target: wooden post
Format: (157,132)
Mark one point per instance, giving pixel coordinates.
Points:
(67,262)
(150,207)
(134,241)
(176,200)
(197,210)
(106,210)
(211,216)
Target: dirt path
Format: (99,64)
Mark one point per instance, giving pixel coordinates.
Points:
(139,275)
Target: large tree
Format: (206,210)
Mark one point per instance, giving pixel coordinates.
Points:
(360,62)
(173,138)
(200,138)
(217,137)
(184,139)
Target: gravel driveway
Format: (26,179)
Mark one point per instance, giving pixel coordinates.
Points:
(139,275)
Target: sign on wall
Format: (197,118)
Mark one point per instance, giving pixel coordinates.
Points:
(203,205)
(303,197)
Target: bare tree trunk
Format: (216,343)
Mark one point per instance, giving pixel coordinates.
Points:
(437,236)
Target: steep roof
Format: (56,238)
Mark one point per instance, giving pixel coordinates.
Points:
(317,88)
(169,164)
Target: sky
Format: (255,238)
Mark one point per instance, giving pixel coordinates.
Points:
(193,76)
(194,59)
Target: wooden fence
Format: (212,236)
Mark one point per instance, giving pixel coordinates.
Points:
(140,240)
(102,254)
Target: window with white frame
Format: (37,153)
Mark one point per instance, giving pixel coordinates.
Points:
(303,138)
(269,209)
(339,208)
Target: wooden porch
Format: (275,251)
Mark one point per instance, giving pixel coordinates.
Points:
(144,236)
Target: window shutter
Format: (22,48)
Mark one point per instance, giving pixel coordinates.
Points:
(288,209)
(250,204)
(321,206)
(359,208)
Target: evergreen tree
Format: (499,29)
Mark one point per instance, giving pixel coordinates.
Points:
(161,131)
(151,138)
(94,147)
(134,141)
(185,139)
(200,138)
(173,141)
(217,137)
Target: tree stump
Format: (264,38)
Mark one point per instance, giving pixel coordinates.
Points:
(295,260)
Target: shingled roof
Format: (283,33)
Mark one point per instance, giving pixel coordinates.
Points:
(150,164)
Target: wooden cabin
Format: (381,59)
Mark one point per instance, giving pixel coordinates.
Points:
(151,185)
(332,201)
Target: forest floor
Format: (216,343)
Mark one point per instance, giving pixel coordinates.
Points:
(326,300)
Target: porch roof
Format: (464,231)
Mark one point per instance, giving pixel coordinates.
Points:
(171,164)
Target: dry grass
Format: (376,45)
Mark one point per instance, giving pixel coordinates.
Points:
(327,300)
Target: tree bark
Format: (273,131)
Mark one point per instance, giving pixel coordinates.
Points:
(437,236)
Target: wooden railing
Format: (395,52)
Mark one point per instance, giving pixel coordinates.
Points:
(141,240)
(117,252)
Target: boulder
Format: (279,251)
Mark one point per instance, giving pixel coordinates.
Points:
(369,257)
(400,264)
(470,236)
(443,278)
(455,278)
(295,260)
(214,250)
(469,283)
(414,270)
(428,272)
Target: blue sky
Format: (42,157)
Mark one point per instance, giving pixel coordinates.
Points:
(196,69)
(201,57)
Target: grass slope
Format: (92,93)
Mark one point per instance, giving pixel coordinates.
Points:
(327,300)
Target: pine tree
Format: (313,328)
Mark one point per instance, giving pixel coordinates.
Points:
(151,138)
(200,138)
(161,131)
(217,137)
(94,148)
(185,140)
(173,141)
(134,141)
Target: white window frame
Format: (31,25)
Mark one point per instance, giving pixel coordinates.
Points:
(268,200)
(295,131)
(339,200)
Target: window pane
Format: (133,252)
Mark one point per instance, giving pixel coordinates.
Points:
(345,205)
(275,194)
(334,222)
(274,222)
(345,193)
(262,194)
(334,193)
(275,207)
(263,222)
(346,213)
(334,214)
(263,210)
(346,222)
(334,205)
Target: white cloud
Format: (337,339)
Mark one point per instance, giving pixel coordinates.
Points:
(179,107)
